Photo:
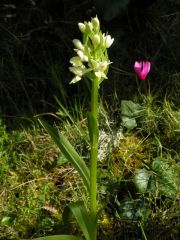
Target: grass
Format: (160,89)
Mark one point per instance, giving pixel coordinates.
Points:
(37,183)
(32,184)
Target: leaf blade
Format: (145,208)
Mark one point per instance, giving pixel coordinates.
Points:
(80,213)
(69,152)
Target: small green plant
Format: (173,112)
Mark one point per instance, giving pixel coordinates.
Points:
(91,62)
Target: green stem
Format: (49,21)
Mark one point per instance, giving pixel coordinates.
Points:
(142,230)
(93,156)
(145,87)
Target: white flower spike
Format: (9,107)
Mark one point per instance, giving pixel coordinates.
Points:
(91,55)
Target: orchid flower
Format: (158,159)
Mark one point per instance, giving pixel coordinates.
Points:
(91,57)
(142,68)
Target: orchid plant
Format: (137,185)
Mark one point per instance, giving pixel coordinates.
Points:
(91,60)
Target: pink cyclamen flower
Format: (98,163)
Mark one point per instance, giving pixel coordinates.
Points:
(142,68)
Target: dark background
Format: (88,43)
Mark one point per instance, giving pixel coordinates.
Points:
(36,45)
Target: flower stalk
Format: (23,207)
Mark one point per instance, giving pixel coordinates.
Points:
(94,154)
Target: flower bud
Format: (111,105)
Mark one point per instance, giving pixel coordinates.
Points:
(82,56)
(77,43)
(108,41)
(82,27)
(96,24)
(96,40)
(89,24)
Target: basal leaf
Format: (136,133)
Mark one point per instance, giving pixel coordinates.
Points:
(129,123)
(69,152)
(167,177)
(130,109)
(82,217)
(129,112)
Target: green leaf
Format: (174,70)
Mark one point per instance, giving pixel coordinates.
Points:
(82,217)
(92,126)
(130,109)
(129,123)
(134,209)
(59,237)
(61,160)
(141,179)
(6,220)
(167,177)
(69,152)
(129,112)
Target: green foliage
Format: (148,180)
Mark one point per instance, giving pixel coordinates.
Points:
(28,193)
(166,179)
(32,177)
(134,210)
(171,119)
(141,179)
(129,112)
(162,180)
(83,218)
